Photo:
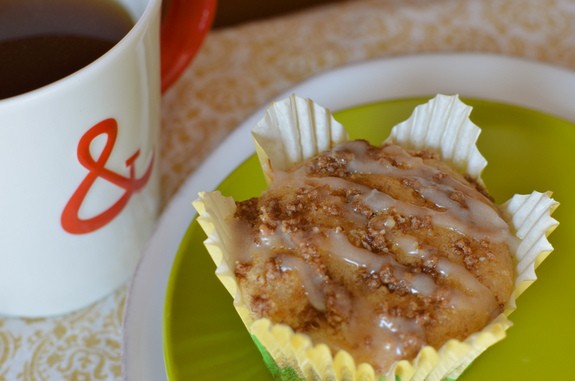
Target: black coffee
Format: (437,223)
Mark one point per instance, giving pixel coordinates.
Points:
(42,41)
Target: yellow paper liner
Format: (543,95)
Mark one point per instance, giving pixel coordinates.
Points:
(528,215)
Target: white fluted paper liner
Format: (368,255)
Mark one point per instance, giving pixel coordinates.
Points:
(293,130)
(530,215)
(443,125)
(292,356)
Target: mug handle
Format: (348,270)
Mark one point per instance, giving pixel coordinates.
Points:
(184,26)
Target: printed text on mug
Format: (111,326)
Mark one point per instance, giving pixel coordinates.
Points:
(70,219)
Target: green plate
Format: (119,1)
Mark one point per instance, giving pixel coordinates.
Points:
(205,340)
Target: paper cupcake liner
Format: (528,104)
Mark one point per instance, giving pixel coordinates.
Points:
(444,123)
(292,131)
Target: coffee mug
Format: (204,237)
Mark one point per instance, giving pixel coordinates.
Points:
(79,187)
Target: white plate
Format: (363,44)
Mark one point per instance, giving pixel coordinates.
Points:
(524,83)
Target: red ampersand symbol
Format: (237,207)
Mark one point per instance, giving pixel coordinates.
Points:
(70,220)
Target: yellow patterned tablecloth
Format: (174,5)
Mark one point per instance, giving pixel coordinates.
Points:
(238,70)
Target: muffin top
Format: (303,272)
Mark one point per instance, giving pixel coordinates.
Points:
(378,251)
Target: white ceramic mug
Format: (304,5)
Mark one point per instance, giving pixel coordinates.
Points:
(79,189)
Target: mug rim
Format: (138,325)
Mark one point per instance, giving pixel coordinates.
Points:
(129,37)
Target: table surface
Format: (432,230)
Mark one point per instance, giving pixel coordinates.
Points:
(241,67)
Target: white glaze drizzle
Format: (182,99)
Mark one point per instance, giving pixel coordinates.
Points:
(338,246)
(310,279)
(478,219)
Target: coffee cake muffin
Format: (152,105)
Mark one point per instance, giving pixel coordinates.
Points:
(369,260)
(375,250)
